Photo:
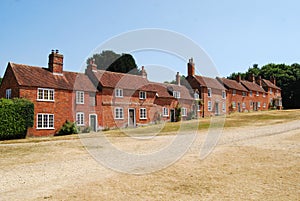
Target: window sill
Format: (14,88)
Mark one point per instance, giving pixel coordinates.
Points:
(40,100)
(45,128)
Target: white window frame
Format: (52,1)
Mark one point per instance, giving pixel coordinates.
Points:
(48,124)
(43,91)
(79,97)
(209,106)
(165,111)
(250,93)
(258,104)
(233,92)
(80,119)
(244,94)
(176,94)
(8,94)
(183,112)
(143,113)
(257,93)
(243,105)
(142,95)
(209,92)
(196,96)
(119,113)
(198,107)
(233,104)
(264,105)
(224,106)
(223,94)
(119,93)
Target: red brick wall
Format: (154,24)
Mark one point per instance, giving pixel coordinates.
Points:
(216,97)
(9,82)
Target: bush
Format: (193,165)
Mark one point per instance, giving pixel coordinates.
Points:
(68,128)
(16,116)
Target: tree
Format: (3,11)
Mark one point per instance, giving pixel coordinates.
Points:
(111,61)
(1,80)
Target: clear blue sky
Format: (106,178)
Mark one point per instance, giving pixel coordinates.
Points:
(234,33)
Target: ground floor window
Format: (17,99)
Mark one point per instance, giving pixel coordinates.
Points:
(183,111)
(165,112)
(244,105)
(8,93)
(233,104)
(80,118)
(224,107)
(143,113)
(45,121)
(209,106)
(119,113)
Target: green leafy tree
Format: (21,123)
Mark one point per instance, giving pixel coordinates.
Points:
(104,59)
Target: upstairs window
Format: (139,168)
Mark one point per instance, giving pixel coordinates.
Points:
(224,94)
(142,95)
(45,94)
(8,94)
(79,97)
(92,99)
(176,94)
(184,112)
(244,94)
(257,93)
(271,91)
(165,112)
(233,92)
(250,93)
(209,92)
(119,92)
(196,95)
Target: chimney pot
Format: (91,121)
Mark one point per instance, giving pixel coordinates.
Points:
(177,78)
(143,72)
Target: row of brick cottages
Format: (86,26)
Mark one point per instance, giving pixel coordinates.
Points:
(102,99)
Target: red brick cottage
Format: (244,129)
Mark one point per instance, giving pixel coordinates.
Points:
(274,93)
(57,95)
(211,92)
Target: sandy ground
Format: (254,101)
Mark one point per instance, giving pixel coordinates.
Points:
(249,163)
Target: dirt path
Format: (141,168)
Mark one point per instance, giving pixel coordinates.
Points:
(250,163)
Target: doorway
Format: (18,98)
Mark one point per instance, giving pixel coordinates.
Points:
(239,107)
(217,111)
(93,122)
(172,117)
(131,117)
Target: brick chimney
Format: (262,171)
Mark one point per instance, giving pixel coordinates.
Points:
(55,63)
(273,80)
(191,67)
(259,82)
(252,78)
(238,78)
(177,78)
(92,65)
(143,72)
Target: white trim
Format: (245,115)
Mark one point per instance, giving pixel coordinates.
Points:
(77,120)
(43,94)
(115,112)
(163,111)
(134,123)
(37,121)
(183,112)
(142,97)
(8,93)
(145,113)
(119,93)
(78,98)
(209,106)
(96,120)
(209,92)
(223,94)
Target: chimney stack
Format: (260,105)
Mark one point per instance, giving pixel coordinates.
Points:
(238,78)
(55,63)
(273,80)
(177,78)
(252,78)
(259,80)
(191,67)
(92,65)
(143,72)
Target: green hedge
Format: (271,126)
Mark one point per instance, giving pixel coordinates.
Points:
(16,116)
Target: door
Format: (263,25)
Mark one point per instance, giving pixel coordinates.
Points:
(131,117)
(217,109)
(172,113)
(239,107)
(93,122)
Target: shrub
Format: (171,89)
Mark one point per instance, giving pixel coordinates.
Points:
(68,128)
(16,116)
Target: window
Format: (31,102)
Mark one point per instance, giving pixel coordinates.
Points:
(198,107)
(143,113)
(119,92)
(233,92)
(45,121)
(264,105)
(196,95)
(258,104)
(224,107)
(244,94)
(165,112)
(8,94)
(243,105)
(209,106)
(224,94)
(271,91)
(80,118)
(119,113)
(250,93)
(233,104)
(176,94)
(257,93)
(45,94)
(142,95)
(184,112)
(79,97)
(264,95)
(209,92)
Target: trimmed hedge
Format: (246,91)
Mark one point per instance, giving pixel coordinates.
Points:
(68,128)
(16,116)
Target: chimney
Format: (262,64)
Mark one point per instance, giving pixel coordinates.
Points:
(55,63)
(177,78)
(259,80)
(92,66)
(238,78)
(191,67)
(143,72)
(273,80)
(252,78)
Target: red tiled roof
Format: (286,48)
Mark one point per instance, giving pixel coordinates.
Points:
(161,89)
(122,80)
(252,86)
(184,92)
(209,82)
(232,84)
(268,83)
(33,76)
